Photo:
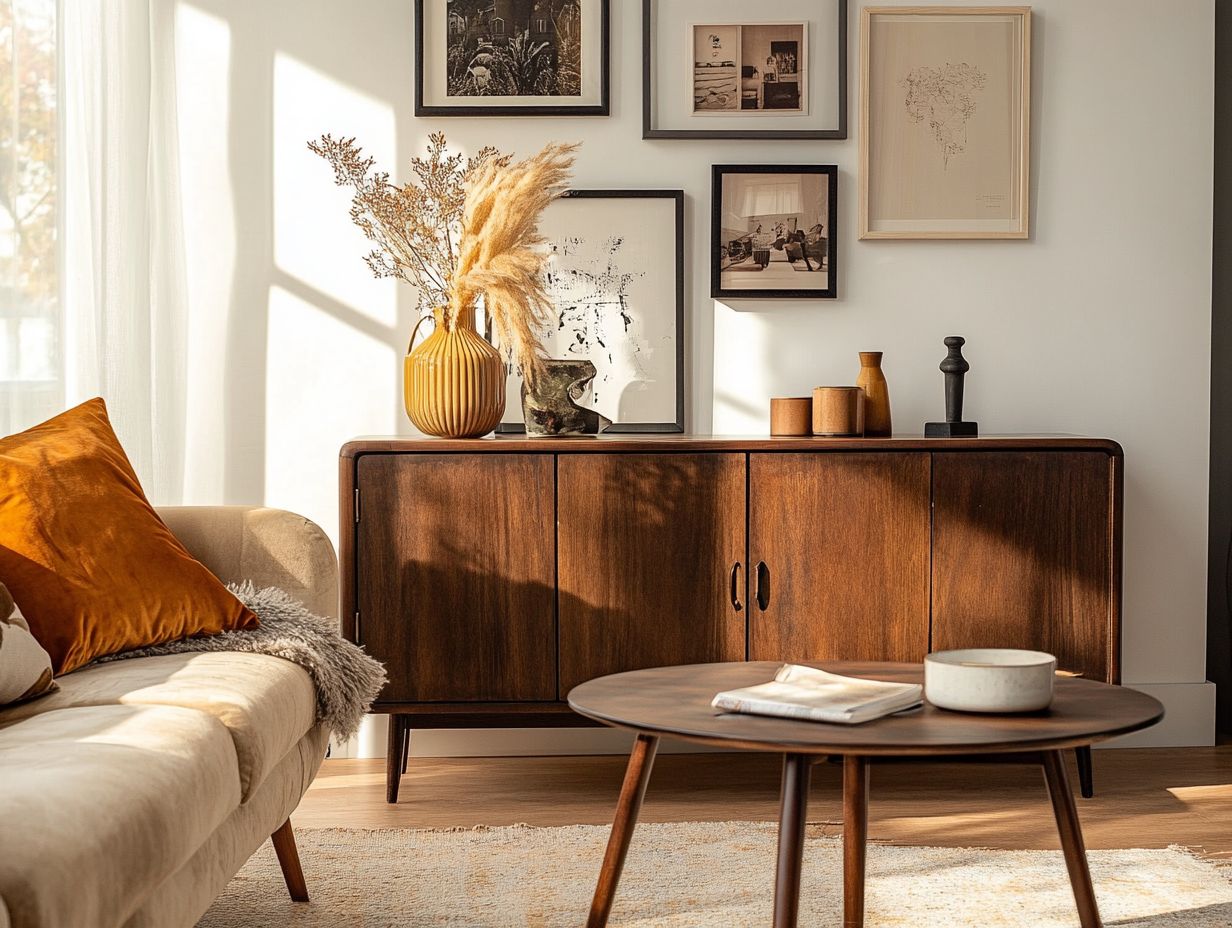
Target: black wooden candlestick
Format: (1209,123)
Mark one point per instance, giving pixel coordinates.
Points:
(955,368)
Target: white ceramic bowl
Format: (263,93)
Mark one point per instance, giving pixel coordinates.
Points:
(989,680)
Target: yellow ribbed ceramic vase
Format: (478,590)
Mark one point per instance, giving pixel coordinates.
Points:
(454,382)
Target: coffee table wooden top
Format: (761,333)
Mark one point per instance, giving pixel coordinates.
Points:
(675,702)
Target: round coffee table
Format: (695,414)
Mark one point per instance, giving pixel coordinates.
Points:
(675,702)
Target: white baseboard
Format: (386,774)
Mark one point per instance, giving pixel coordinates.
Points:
(1189,721)
(503,742)
(1189,717)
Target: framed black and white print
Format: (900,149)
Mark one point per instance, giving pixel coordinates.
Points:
(512,57)
(735,69)
(616,277)
(773,232)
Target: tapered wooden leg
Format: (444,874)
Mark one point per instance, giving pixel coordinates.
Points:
(406,747)
(1086,771)
(855,838)
(1072,844)
(394,754)
(637,775)
(793,813)
(288,860)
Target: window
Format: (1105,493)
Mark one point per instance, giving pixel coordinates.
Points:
(457,25)
(498,26)
(541,26)
(30,364)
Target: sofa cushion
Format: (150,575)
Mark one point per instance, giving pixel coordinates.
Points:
(25,667)
(90,563)
(186,895)
(267,704)
(101,804)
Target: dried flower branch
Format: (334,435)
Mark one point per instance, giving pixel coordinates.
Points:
(462,230)
(414,226)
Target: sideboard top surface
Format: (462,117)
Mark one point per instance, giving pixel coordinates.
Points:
(677,443)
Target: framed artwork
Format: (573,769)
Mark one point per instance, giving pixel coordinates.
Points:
(717,69)
(772,232)
(945,122)
(512,57)
(616,276)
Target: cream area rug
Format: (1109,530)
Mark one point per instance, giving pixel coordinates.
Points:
(712,874)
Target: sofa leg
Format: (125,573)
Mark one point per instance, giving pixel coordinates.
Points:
(288,860)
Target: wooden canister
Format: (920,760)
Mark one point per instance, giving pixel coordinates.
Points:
(838,411)
(791,415)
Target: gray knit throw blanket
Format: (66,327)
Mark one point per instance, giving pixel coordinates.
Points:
(346,679)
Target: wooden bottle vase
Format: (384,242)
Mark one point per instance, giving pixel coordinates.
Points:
(876,396)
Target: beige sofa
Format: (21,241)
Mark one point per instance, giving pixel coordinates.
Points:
(133,795)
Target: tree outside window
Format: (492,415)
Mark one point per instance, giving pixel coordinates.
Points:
(29,307)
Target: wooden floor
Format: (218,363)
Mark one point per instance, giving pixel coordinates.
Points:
(1143,798)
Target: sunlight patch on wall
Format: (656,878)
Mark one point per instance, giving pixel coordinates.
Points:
(203,66)
(741,406)
(314,239)
(326,383)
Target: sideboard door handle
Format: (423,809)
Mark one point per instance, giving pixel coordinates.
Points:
(763,586)
(735,587)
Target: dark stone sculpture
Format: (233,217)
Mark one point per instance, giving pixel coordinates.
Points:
(552,409)
(955,368)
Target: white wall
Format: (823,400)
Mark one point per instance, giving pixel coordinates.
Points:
(1098,325)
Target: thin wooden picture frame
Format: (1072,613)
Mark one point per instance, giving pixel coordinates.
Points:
(602,108)
(651,131)
(720,250)
(1019,190)
(677,198)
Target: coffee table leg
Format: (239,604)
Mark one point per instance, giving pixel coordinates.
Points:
(1071,838)
(793,812)
(637,775)
(855,838)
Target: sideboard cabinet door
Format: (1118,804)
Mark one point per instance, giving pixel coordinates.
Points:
(1022,555)
(647,547)
(844,539)
(455,567)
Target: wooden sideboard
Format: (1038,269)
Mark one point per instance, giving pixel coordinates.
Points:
(492,576)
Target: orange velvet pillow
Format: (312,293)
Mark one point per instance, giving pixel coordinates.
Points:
(89,562)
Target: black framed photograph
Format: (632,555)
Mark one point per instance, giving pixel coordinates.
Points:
(731,69)
(512,57)
(773,232)
(616,277)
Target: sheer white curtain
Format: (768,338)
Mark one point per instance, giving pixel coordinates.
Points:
(124,283)
(771,199)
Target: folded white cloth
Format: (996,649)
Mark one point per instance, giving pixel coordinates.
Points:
(817,696)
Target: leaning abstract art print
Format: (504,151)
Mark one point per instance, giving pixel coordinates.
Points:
(616,278)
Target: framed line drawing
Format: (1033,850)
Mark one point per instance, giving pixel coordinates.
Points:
(512,57)
(772,232)
(945,122)
(714,69)
(616,277)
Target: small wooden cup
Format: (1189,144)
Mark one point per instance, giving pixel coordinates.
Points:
(838,411)
(791,415)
